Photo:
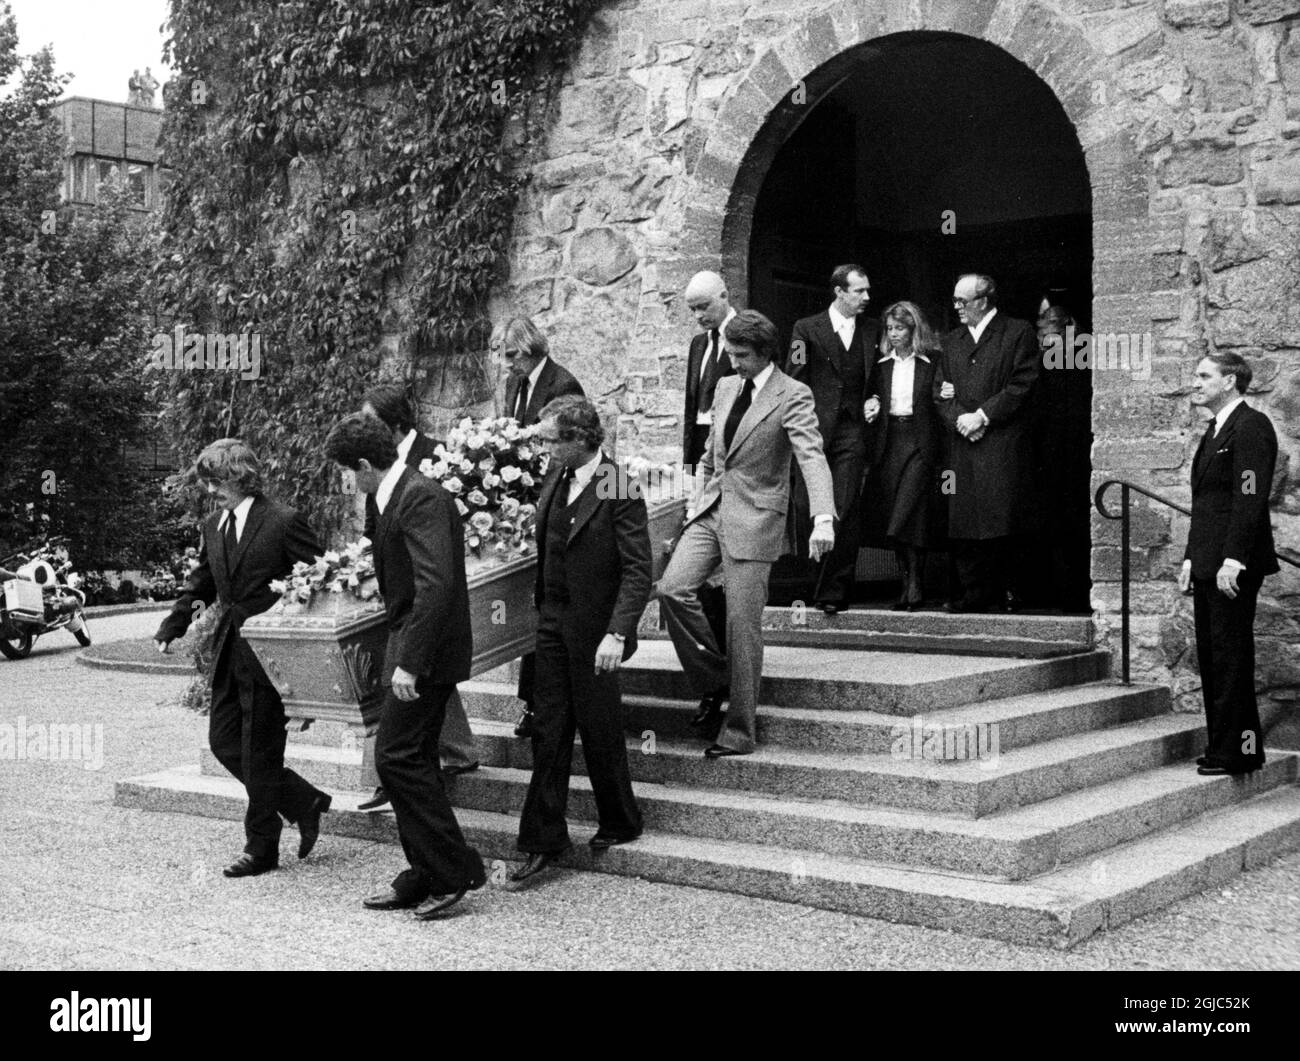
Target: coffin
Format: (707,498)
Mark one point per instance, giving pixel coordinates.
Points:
(325,658)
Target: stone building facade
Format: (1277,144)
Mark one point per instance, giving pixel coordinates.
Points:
(1187,118)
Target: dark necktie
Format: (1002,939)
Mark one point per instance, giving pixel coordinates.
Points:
(232,542)
(710,381)
(737,413)
(521,406)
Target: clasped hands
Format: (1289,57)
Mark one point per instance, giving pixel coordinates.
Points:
(971,426)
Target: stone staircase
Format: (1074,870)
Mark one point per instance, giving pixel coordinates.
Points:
(978,775)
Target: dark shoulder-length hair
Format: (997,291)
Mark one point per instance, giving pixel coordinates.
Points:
(908,313)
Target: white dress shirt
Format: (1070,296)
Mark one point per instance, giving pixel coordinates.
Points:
(388,484)
(978,330)
(583,475)
(705,419)
(404,447)
(844,326)
(903,382)
(241,517)
(1221,417)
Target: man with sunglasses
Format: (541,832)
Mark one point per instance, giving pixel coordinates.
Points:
(986,375)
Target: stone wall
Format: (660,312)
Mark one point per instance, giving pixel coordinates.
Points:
(1188,112)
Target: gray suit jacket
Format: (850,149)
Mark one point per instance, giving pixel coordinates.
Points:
(752,480)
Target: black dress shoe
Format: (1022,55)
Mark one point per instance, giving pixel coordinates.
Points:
(1219,770)
(248,866)
(376,801)
(436,906)
(527,724)
(1201,760)
(391,900)
(601,841)
(309,825)
(718,751)
(711,705)
(534,864)
(460,768)
(831,607)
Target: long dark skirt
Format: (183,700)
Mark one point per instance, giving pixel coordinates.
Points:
(902,491)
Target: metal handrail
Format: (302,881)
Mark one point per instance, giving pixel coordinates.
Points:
(1123,515)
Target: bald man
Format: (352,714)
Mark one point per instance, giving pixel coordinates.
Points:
(983,389)
(706,298)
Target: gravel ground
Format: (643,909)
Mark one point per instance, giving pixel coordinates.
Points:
(86,885)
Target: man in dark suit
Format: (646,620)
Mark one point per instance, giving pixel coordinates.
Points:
(987,371)
(420,563)
(833,353)
(593,582)
(456,742)
(737,521)
(706,363)
(249,542)
(533,381)
(1229,552)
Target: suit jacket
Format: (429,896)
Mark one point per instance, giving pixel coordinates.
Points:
(699,351)
(817,363)
(607,561)
(751,481)
(420,562)
(422,446)
(275,538)
(992,494)
(926,416)
(554,382)
(1232,478)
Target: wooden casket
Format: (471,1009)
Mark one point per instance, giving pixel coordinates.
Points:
(325,658)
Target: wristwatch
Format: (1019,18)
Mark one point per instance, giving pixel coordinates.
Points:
(617,637)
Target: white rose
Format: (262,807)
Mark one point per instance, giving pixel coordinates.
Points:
(510,473)
(453,485)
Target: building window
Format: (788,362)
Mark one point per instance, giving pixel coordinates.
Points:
(89,172)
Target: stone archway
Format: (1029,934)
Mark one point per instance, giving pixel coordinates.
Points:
(773,99)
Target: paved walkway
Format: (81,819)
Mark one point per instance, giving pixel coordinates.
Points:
(84,884)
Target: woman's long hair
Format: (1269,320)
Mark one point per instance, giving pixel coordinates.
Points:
(909,314)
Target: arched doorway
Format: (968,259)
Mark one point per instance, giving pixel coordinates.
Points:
(926,155)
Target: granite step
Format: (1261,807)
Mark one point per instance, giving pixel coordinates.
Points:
(893,683)
(928,632)
(1021,720)
(1058,908)
(1012,844)
(971,788)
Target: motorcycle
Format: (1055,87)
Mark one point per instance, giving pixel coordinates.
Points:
(39,594)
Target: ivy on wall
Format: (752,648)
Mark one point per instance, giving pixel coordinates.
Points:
(340,171)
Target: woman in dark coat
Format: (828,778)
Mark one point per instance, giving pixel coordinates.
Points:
(902,491)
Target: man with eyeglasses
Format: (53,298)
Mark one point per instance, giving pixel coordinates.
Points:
(533,381)
(987,372)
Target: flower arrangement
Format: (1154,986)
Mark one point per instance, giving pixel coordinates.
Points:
(494,472)
(350,570)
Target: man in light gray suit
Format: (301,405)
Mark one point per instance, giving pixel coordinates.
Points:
(737,518)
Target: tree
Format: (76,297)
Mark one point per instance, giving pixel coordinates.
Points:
(75,322)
